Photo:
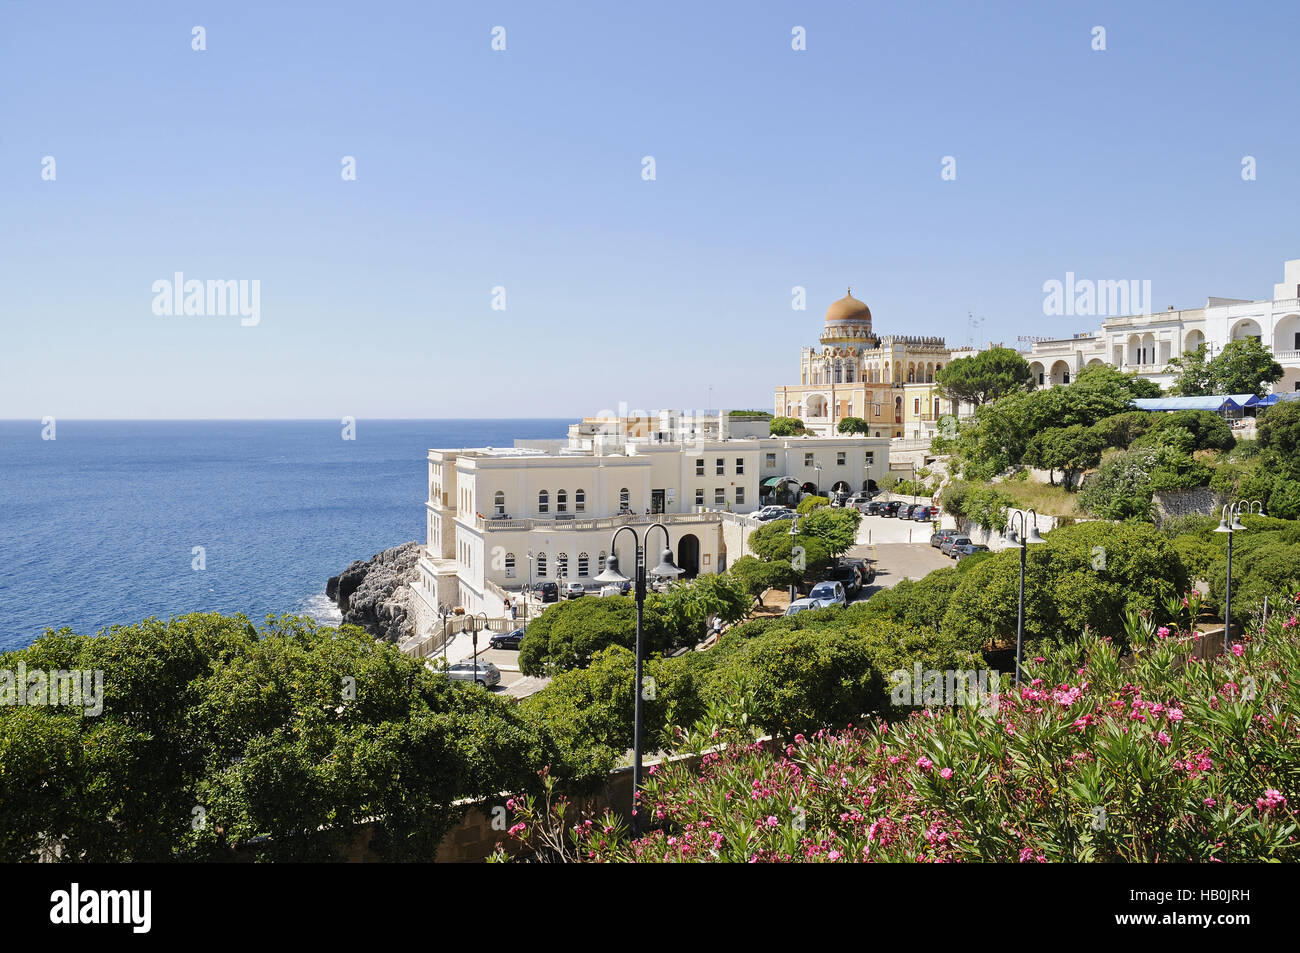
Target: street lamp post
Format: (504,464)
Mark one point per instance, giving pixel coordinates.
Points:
(612,576)
(1228,526)
(444,612)
(474,629)
(818,468)
(1022,540)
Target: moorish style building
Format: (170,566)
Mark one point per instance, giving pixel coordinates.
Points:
(1146,343)
(888,380)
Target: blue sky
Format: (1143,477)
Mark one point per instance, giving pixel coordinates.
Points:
(522,169)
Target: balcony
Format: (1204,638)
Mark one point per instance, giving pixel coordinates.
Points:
(607,522)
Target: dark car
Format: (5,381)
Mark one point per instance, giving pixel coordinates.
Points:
(507,640)
(847,575)
(866,570)
(891,508)
(550,592)
(874,508)
(905,511)
(921,513)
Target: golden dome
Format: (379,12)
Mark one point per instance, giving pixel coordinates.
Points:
(848,310)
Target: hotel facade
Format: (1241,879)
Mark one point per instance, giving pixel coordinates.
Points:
(1146,343)
(498,519)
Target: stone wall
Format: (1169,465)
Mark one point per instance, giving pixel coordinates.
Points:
(1201,501)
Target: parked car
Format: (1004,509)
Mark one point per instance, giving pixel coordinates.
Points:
(786,515)
(830,592)
(616,589)
(550,592)
(961,552)
(486,674)
(941,537)
(866,570)
(862,496)
(767,512)
(947,547)
(891,508)
(506,640)
(847,575)
(921,514)
(905,511)
(800,605)
(874,508)
(574,589)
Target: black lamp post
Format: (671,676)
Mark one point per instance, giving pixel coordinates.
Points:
(472,624)
(1232,510)
(1022,540)
(612,576)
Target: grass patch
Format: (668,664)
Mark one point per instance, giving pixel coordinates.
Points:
(1042,497)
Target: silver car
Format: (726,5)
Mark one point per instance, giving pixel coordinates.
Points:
(487,674)
(802,605)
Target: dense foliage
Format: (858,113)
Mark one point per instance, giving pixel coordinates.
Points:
(1242,367)
(985,376)
(1157,756)
(214,733)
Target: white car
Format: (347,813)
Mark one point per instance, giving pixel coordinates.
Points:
(769,512)
(799,605)
(830,592)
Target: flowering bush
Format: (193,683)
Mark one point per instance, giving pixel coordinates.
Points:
(1153,755)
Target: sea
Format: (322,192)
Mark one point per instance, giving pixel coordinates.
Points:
(111,522)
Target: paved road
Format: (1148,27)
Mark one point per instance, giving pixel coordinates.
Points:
(898,561)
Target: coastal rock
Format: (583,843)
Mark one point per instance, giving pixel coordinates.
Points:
(375,593)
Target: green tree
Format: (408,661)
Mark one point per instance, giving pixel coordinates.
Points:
(1242,367)
(787,427)
(757,576)
(854,425)
(985,376)
(1070,449)
(1279,437)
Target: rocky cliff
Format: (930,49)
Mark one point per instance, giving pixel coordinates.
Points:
(375,593)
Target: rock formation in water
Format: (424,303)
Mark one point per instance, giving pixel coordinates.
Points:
(375,593)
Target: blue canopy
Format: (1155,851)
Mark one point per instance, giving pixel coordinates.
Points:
(1215,403)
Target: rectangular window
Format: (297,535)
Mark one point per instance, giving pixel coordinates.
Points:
(869,456)
(740,495)
(699,467)
(720,496)
(769,460)
(740,466)
(916,405)
(722,466)
(807,459)
(699,496)
(841,458)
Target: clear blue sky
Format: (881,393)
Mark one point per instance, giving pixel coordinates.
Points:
(522,168)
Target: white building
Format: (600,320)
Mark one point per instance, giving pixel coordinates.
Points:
(500,518)
(1145,343)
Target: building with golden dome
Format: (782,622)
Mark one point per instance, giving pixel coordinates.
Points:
(887,380)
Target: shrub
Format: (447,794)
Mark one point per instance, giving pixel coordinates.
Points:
(810,503)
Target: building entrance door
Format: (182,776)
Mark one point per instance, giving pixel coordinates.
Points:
(656,501)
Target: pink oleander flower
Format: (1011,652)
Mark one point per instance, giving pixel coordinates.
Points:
(1272,798)
(1210,802)
(1163,739)
(946,773)
(517,829)
(924,763)
(1163,632)
(834,855)
(798,739)
(1239,650)
(1174,714)
(772,821)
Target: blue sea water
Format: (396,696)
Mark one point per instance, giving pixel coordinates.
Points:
(98,525)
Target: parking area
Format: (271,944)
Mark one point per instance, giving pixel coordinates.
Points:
(898,561)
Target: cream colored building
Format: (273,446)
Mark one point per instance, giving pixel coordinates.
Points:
(887,380)
(1146,343)
(499,518)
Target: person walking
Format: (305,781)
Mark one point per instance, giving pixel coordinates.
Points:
(514,611)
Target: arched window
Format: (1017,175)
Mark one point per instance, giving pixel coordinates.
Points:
(561,501)
(541,565)
(562,565)
(600,562)
(499,502)
(510,565)
(584,564)
(624,498)
(543,501)
(579,501)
